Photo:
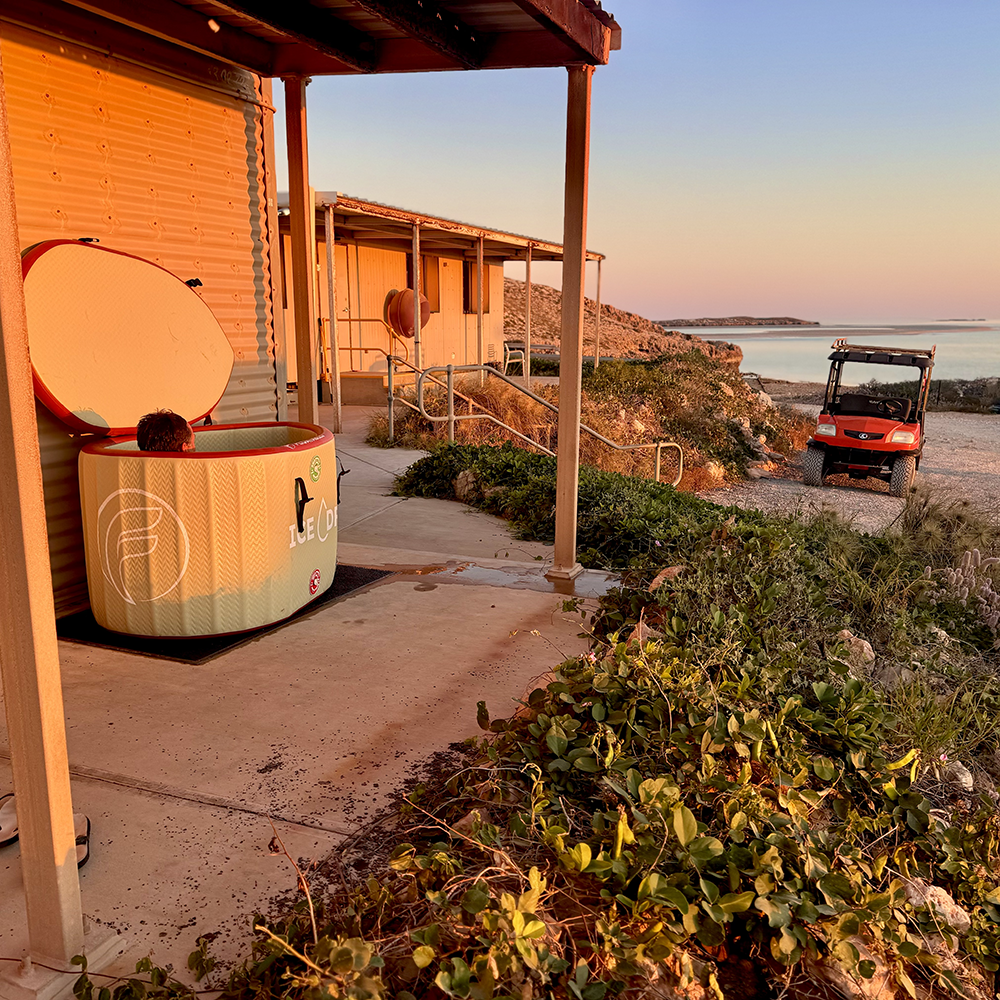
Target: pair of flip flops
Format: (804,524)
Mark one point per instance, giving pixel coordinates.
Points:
(9,831)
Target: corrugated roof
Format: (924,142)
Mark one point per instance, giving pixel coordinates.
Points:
(374,224)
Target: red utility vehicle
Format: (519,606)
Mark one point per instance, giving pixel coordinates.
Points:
(864,435)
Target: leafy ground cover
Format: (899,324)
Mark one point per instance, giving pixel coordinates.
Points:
(697,401)
(730,796)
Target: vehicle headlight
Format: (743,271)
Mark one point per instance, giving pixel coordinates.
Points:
(826,430)
(902,437)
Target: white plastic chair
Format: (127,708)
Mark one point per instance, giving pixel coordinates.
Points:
(513,354)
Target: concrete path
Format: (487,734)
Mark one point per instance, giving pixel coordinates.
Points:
(182,769)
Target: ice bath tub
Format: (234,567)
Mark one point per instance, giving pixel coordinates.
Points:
(240,533)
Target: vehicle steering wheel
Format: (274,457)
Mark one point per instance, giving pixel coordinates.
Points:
(891,408)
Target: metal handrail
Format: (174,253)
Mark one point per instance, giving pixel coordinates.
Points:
(452,417)
(391,361)
(389,330)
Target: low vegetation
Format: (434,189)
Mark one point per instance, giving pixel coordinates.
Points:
(981,395)
(702,404)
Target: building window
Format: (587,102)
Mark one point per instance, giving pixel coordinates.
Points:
(470,286)
(430,279)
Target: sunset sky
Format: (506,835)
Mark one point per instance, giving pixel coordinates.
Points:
(828,159)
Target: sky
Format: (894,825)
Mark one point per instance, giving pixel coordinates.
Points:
(835,160)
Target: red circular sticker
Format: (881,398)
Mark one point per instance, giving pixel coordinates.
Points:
(314,582)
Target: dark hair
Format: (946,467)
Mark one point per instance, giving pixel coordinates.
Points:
(162,430)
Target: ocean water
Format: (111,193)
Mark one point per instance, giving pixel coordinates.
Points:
(967,349)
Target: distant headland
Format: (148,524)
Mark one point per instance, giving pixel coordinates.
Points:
(738,321)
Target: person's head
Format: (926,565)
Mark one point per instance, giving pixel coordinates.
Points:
(163,430)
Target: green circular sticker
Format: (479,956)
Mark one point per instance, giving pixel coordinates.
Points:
(315,467)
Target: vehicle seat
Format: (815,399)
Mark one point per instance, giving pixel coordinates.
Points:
(858,405)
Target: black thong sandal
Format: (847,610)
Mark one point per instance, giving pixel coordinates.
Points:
(81,825)
(8,820)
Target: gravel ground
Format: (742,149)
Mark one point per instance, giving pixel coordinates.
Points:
(961,458)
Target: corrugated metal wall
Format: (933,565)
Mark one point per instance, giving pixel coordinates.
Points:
(365,275)
(158,167)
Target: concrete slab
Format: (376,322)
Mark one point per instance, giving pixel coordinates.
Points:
(315,726)
(162,870)
(369,516)
(441,526)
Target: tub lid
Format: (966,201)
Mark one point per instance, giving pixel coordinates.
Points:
(114,337)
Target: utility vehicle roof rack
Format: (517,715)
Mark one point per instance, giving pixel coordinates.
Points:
(843,351)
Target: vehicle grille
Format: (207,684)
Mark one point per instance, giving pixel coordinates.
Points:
(864,435)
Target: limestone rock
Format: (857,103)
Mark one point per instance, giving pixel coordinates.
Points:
(920,893)
(765,400)
(941,635)
(895,676)
(759,473)
(975,986)
(828,972)
(642,633)
(465,484)
(958,775)
(860,655)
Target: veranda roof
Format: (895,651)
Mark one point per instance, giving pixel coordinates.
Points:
(370,223)
(335,37)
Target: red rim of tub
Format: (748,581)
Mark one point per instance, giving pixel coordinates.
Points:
(106,446)
(45,396)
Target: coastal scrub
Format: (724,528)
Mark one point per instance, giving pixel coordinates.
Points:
(698,401)
(774,773)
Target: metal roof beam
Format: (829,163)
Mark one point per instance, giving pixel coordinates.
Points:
(571,20)
(434,26)
(314,27)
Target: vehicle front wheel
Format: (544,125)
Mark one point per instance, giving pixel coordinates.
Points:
(903,471)
(812,467)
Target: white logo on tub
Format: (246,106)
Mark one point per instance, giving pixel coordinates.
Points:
(318,526)
(133,532)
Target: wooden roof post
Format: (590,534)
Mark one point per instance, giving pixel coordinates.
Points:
(29,659)
(597,320)
(302,216)
(564,565)
(336,422)
(479,308)
(527,319)
(417,275)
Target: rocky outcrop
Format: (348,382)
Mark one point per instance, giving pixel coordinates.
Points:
(738,321)
(623,334)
